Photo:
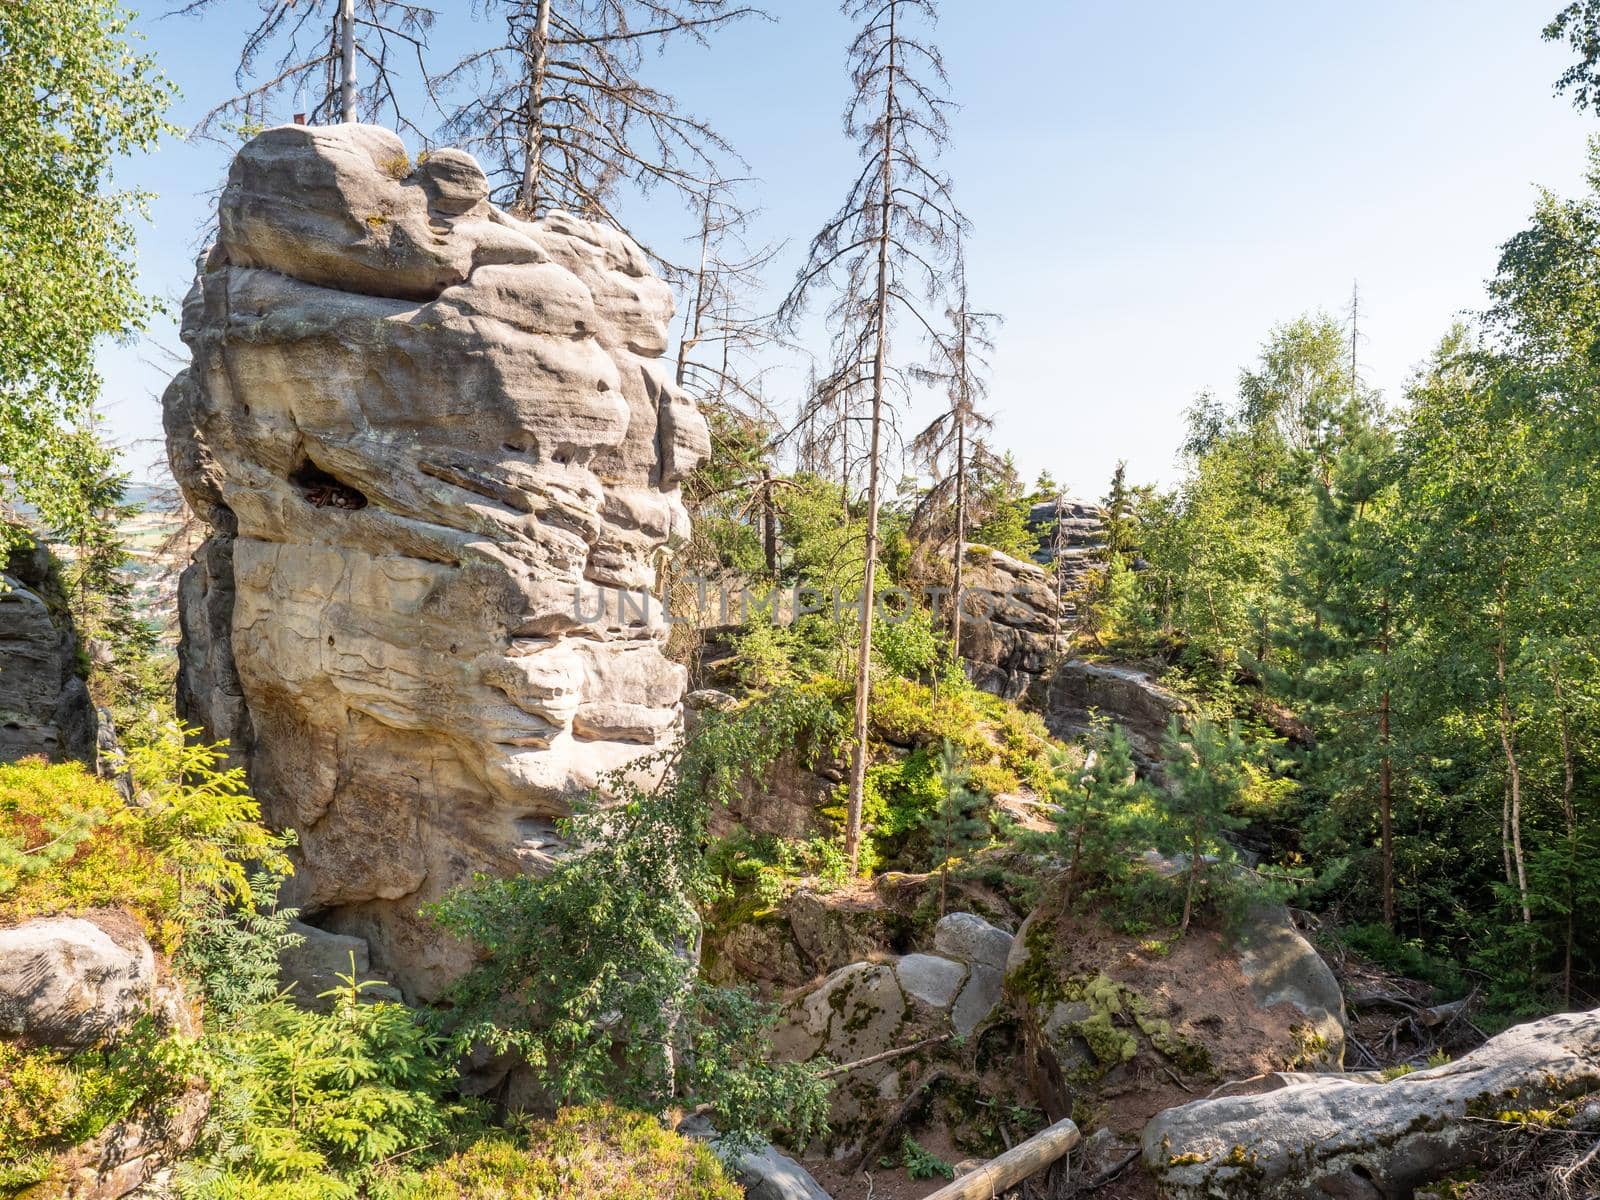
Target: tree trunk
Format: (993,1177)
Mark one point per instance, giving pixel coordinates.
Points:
(1195,860)
(533,114)
(858,768)
(347,61)
(961,536)
(769,524)
(1569,813)
(999,1175)
(1513,770)
(1386,779)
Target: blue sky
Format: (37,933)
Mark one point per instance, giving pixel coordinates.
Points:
(1152,186)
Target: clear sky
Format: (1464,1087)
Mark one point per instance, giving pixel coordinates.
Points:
(1152,185)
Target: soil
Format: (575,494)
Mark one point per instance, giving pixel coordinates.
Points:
(1196,984)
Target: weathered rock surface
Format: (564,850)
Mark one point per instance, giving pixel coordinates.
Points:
(1107,1015)
(1073,532)
(1008,630)
(434,444)
(131,1154)
(763,1171)
(321,961)
(44,705)
(1363,1139)
(1131,698)
(68,982)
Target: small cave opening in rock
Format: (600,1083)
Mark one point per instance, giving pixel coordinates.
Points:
(321,490)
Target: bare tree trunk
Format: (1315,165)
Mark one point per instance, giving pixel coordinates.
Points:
(769,524)
(958,575)
(347,61)
(533,136)
(1569,813)
(1386,779)
(1513,770)
(858,769)
(1196,858)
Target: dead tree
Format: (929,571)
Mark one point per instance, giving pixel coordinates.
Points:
(946,447)
(883,254)
(337,58)
(559,116)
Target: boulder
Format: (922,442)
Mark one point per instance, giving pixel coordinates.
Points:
(1131,698)
(321,961)
(1360,1138)
(968,938)
(833,929)
(1284,968)
(45,707)
(71,982)
(440,460)
(130,1156)
(762,1170)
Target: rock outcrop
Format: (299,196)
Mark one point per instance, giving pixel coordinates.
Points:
(1008,630)
(44,705)
(1108,1015)
(440,457)
(1073,532)
(70,982)
(1131,698)
(1361,1138)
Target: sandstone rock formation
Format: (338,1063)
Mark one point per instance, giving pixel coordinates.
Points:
(435,444)
(44,705)
(1009,628)
(69,982)
(1361,1138)
(1073,533)
(1130,697)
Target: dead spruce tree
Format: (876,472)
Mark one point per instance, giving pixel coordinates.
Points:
(559,116)
(338,58)
(883,254)
(949,446)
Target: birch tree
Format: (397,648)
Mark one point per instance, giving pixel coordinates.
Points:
(881,256)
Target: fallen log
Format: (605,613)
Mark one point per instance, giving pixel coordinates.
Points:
(1011,1168)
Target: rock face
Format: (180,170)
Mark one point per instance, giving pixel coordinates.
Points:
(435,445)
(867,1008)
(1361,1138)
(1072,531)
(1009,628)
(65,981)
(44,705)
(1130,697)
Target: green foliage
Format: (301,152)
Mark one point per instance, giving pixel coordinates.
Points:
(51,1101)
(1207,780)
(320,1105)
(954,828)
(74,95)
(595,957)
(231,947)
(68,843)
(1098,803)
(198,815)
(596,1153)
(918,1162)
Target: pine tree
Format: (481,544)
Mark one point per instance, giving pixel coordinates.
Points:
(956,827)
(1206,781)
(1092,802)
(887,245)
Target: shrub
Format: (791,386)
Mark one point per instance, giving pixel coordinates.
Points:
(51,1101)
(318,1104)
(597,1153)
(69,843)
